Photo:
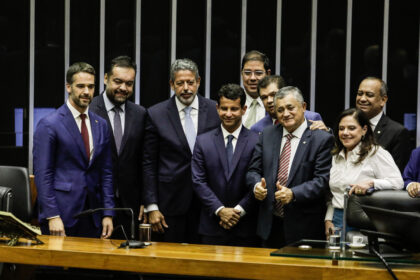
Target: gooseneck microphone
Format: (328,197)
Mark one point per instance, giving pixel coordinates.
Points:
(129,243)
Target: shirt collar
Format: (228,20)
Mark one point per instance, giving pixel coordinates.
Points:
(298,131)
(74,111)
(180,106)
(249,100)
(235,133)
(353,155)
(374,121)
(109,105)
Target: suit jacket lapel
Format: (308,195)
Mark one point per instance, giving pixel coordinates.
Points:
(277,138)
(104,114)
(240,146)
(127,125)
(94,126)
(70,124)
(202,115)
(173,116)
(300,152)
(219,143)
(380,126)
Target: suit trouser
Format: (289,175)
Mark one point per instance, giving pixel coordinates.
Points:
(276,237)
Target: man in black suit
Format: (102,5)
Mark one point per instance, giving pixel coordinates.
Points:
(171,130)
(127,121)
(289,173)
(371,98)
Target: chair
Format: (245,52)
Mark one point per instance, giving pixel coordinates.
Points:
(388,199)
(17,178)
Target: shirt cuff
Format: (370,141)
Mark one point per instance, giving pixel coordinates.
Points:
(218,210)
(239,207)
(152,207)
(53,217)
(330,213)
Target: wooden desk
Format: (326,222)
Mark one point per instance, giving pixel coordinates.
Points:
(198,260)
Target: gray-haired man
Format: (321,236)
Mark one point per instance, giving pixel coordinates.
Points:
(171,129)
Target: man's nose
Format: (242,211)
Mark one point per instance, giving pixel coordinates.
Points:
(270,99)
(123,86)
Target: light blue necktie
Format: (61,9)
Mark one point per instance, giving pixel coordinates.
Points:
(189,128)
(229,151)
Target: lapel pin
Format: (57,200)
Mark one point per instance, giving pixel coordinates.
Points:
(304,142)
(379,132)
(96,121)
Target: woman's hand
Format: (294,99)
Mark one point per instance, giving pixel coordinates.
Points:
(361,188)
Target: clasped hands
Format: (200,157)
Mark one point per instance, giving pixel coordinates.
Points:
(229,217)
(283,194)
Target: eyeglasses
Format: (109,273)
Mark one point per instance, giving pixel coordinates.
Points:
(257,73)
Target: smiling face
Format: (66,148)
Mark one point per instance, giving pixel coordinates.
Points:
(230,113)
(120,84)
(350,132)
(369,98)
(185,85)
(81,90)
(252,72)
(290,112)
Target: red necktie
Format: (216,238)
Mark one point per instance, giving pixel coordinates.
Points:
(85,135)
(276,122)
(282,173)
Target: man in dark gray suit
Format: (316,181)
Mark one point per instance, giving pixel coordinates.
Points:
(171,130)
(289,173)
(127,121)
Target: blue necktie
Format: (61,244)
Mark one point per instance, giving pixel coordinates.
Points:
(229,151)
(117,127)
(189,128)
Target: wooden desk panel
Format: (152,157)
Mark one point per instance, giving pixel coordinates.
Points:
(188,259)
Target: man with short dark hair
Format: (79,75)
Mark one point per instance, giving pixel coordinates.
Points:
(289,174)
(219,164)
(126,121)
(267,89)
(171,130)
(73,164)
(254,67)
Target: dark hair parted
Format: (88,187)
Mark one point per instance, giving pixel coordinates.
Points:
(232,92)
(77,68)
(268,80)
(368,142)
(256,56)
(123,62)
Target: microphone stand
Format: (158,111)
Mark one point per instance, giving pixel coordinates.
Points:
(126,244)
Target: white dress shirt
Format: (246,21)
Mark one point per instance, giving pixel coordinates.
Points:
(194,117)
(193,113)
(260,109)
(374,121)
(378,166)
(76,115)
(234,141)
(294,142)
(109,106)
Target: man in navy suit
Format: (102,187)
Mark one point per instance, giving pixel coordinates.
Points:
(219,165)
(289,173)
(267,89)
(171,130)
(73,164)
(127,121)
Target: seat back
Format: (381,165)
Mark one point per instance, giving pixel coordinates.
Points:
(6,199)
(17,178)
(388,199)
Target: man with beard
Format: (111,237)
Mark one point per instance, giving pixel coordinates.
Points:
(126,120)
(171,130)
(73,164)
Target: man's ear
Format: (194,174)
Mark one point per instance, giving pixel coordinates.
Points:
(268,72)
(106,78)
(171,83)
(304,106)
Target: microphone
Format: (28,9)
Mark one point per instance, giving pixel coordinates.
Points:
(129,243)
